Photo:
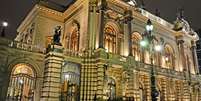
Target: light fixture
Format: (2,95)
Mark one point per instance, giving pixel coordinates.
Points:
(21,81)
(66,76)
(166,58)
(143,43)
(4,24)
(131,2)
(149,26)
(158,48)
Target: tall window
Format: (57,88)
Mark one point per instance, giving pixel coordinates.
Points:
(136,37)
(22,83)
(110,39)
(75,37)
(169,57)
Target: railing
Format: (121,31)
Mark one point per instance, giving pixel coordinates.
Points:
(22,46)
(34,48)
(155,18)
(72,53)
(27,47)
(159,70)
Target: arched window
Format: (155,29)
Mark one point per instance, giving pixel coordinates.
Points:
(110,39)
(75,37)
(136,52)
(22,83)
(169,57)
(70,82)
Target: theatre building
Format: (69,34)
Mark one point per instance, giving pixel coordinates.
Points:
(99,50)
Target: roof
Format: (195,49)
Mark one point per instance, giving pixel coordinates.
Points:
(60,5)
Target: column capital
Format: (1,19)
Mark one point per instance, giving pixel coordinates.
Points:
(103,5)
(193,43)
(128,16)
(180,41)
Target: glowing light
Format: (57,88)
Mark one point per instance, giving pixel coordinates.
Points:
(149,27)
(166,58)
(21,81)
(4,24)
(131,3)
(66,76)
(143,43)
(158,48)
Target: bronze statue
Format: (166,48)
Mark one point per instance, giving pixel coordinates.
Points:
(57,34)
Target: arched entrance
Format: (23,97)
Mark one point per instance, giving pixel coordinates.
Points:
(70,82)
(22,83)
(110,88)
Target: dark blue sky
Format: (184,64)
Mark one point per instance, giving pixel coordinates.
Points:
(14,11)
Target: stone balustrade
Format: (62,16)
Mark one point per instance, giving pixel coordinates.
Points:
(161,71)
(72,53)
(22,46)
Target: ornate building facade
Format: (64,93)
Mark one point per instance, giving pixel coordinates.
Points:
(97,53)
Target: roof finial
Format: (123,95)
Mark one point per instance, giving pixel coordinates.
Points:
(157,13)
(142,4)
(180,13)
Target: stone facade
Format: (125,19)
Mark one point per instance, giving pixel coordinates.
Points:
(100,57)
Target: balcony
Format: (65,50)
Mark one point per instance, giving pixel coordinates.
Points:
(22,46)
(160,71)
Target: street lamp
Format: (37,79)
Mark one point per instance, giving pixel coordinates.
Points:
(131,2)
(4,25)
(149,26)
(148,43)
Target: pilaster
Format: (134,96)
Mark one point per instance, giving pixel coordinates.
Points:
(101,68)
(182,56)
(51,90)
(102,8)
(186,91)
(195,58)
(92,23)
(88,78)
(147,84)
(128,19)
(164,88)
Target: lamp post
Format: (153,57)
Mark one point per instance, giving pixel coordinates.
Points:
(148,42)
(4,25)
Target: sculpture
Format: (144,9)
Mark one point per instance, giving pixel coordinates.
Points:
(57,34)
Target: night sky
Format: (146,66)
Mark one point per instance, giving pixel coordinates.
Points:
(14,11)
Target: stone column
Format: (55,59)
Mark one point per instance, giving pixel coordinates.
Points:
(130,85)
(182,58)
(51,90)
(89,78)
(194,53)
(186,91)
(164,88)
(92,23)
(101,69)
(147,84)
(128,19)
(101,23)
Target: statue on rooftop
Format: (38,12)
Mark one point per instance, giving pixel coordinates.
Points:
(179,23)
(57,34)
